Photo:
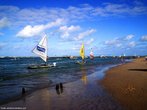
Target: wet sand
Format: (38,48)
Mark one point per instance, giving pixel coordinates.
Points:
(128,84)
(83,94)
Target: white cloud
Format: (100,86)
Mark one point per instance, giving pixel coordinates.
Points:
(120,42)
(1,34)
(112,42)
(78,44)
(111,9)
(89,41)
(76,48)
(144,38)
(30,31)
(4,22)
(67,30)
(35,16)
(2,45)
(118,45)
(128,37)
(84,34)
(8,11)
(9,8)
(132,44)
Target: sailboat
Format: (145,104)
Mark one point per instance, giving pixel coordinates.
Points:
(82,54)
(41,50)
(91,54)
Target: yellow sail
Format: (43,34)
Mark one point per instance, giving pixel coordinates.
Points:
(82,52)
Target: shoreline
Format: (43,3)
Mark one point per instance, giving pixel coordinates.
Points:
(85,93)
(127,84)
(16,76)
(50,85)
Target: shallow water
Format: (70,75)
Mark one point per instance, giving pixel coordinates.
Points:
(85,93)
(14,73)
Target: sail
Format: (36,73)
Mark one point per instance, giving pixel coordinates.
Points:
(41,48)
(91,55)
(82,52)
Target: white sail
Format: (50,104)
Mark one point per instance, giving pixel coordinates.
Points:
(41,48)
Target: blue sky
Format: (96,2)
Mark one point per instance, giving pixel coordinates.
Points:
(109,27)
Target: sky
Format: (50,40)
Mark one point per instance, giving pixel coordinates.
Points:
(108,27)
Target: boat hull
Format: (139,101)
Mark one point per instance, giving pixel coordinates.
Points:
(39,66)
(81,63)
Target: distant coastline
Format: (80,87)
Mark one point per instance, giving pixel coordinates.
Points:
(126,57)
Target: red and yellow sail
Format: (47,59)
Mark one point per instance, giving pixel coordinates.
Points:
(91,55)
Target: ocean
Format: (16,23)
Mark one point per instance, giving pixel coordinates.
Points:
(14,74)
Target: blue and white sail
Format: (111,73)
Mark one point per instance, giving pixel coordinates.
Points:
(41,48)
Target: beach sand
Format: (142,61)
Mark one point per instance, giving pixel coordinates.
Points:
(128,84)
(83,94)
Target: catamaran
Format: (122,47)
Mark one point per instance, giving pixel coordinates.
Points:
(41,50)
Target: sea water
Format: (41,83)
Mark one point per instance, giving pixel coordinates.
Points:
(14,74)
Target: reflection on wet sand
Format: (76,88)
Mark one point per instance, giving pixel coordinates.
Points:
(59,88)
(84,75)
